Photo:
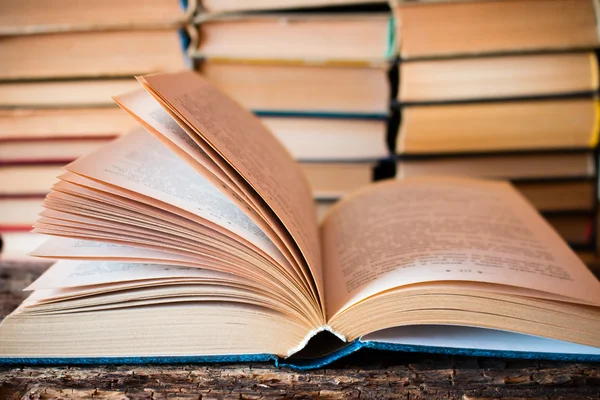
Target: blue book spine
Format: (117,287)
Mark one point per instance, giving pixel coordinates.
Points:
(300,364)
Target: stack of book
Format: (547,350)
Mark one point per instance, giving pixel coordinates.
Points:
(504,89)
(499,89)
(61,61)
(316,73)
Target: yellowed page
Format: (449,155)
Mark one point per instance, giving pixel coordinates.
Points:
(445,229)
(67,248)
(90,205)
(139,163)
(187,146)
(211,254)
(240,138)
(70,248)
(74,279)
(60,294)
(130,201)
(148,112)
(179,138)
(109,214)
(205,247)
(158,295)
(71,273)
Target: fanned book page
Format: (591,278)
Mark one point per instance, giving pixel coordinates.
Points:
(195,238)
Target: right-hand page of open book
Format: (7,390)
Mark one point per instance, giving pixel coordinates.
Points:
(436,229)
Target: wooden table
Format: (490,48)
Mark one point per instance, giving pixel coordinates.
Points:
(412,376)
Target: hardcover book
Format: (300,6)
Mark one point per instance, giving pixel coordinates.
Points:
(498,78)
(281,89)
(331,139)
(51,16)
(353,38)
(92,54)
(197,240)
(432,29)
(35,124)
(59,93)
(527,125)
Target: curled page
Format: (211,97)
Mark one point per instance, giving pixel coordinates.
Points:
(240,139)
(420,230)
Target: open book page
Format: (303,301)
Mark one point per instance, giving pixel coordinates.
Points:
(87,250)
(444,229)
(139,163)
(126,212)
(148,112)
(73,279)
(72,248)
(80,207)
(76,286)
(208,253)
(72,273)
(251,149)
(120,205)
(203,159)
(225,257)
(194,287)
(164,295)
(200,251)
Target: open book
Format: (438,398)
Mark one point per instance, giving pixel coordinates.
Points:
(196,239)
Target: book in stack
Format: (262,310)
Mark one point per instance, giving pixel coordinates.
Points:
(506,90)
(195,239)
(61,62)
(317,75)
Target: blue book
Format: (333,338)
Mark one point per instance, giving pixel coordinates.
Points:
(194,239)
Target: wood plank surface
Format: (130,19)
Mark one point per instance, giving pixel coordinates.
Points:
(367,375)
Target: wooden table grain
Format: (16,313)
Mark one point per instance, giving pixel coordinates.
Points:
(368,375)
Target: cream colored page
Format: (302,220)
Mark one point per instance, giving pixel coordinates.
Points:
(211,252)
(252,150)
(63,247)
(150,113)
(71,273)
(268,221)
(63,192)
(138,162)
(145,107)
(77,249)
(445,229)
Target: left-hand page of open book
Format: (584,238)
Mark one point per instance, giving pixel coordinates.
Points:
(127,211)
(188,146)
(137,201)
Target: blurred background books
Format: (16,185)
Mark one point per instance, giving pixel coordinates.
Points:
(356,90)
(61,62)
